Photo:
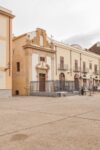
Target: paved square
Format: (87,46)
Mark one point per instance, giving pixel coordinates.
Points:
(41,123)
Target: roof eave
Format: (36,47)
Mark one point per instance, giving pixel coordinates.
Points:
(7,14)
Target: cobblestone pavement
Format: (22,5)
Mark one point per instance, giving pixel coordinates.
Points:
(41,123)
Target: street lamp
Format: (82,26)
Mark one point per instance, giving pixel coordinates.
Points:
(80,83)
(90,85)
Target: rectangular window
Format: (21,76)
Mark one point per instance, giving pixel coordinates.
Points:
(84,66)
(90,66)
(76,65)
(42,59)
(95,68)
(18,66)
(62,62)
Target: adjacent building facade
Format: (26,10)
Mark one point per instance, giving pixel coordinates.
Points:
(43,64)
(95,48)
(5,51)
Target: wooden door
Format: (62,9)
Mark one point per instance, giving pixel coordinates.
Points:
(76,80)
(41,82)
(84,82)
(62,82)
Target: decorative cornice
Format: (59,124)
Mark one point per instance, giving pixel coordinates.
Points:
(39,48)
(79,51)
(6,14)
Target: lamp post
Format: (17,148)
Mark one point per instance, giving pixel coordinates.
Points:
(80,83)
(90,85)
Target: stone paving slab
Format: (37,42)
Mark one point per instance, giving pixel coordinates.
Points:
(39,123)
(12,122)
(70,134)
(91,116)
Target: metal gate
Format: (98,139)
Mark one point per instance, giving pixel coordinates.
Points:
(52,86)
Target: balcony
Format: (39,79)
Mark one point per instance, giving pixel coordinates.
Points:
(63,67)
(76,69)
(96,72)
(85,70)
(5,68)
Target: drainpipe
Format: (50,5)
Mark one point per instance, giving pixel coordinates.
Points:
(9,48)
(80,70)
(71,62)
(56,58)
(80,64)
(99,70)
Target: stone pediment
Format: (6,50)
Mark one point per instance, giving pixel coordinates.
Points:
(39,38)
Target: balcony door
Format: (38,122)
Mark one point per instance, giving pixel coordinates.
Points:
(42,78)
(76,81)
(76,65)
(61,62)
(84,67)
(62,81)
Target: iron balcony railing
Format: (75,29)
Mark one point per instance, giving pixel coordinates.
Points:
(96,72)
(76,69)
(85,70)
(63,67)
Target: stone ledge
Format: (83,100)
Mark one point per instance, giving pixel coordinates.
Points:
(4,93)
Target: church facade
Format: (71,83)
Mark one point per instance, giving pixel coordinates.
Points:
(43,64)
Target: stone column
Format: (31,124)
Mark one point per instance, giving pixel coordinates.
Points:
(28,60)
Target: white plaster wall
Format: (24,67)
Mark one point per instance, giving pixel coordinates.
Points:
(2,80)
(35,58)
(5,93)
(50,70)
(41,40)
(2,53)
(3,26)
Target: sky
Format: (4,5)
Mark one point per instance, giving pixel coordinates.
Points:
(71,21)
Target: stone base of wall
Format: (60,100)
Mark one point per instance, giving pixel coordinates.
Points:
(54,94)
(5,93)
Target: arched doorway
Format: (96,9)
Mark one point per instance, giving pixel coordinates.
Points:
(62,81)
(76,81)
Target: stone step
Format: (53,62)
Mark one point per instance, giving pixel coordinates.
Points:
(54,94)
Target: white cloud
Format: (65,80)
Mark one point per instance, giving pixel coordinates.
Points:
(84,40)
(61,18)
